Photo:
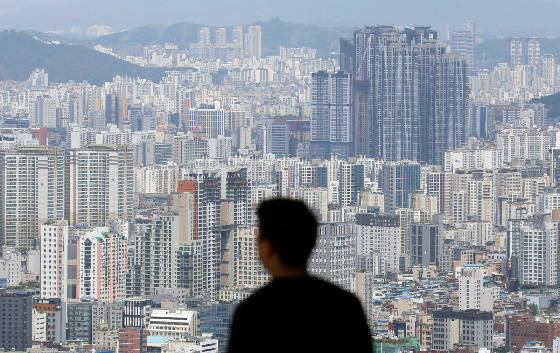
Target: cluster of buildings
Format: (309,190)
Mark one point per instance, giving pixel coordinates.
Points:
(127,211)
(236,52)
(528,74)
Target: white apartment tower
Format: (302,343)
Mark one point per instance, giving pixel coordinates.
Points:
(515,52)
(208,119)
(378,234)
(204,36)
(100,183)
(253,42)
(548,69)
(54,254)
(334,256)
(237,37)
(463,43)
(524,51)
(539,252)
(472,294)
(220,36)
(533,51)
(31,193)
(45,111)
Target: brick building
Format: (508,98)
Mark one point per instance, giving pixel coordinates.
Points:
(521,329)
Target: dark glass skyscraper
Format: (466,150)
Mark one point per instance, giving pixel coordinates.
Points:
(115,110)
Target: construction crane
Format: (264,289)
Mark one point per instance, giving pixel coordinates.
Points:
(5,78)
(363,59)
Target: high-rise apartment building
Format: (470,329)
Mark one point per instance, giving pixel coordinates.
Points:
(220,36)
(351,183)
(407,217)
(538,260)
(205,186)
(102,265)
(444,33)
(378,236)
(548,69)
(331,115)
(116,110)
(463,45)
(418,93)
(45,112)
(43,184)
(398,180)
(555,166)
(253,42)
(38,78)
(472,293)
(159,249)
(54,254)
(426,242)
(204,36)
(237,37)
(516,52)
(462,328)
(236,206)
(524,51)
(31,193)
(533,51)
(207,119)
(77,111)
(248,270)
(100,184)
(361,114)
(334,256)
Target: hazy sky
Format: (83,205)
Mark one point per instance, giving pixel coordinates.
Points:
(493,17)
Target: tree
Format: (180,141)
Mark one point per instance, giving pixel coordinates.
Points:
(534,309)
(501,349)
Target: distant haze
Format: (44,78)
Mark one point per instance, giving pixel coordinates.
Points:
(493,17)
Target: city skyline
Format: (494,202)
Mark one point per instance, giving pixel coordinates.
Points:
(129,206)
(40,15)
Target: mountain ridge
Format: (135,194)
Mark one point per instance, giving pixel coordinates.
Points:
(275,34)
(20,54)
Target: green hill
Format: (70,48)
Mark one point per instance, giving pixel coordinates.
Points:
(492,51)
(552,103)
(132,42)
(20,54)
(276,33)
(496,50)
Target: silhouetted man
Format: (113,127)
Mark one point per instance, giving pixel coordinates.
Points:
(295,312)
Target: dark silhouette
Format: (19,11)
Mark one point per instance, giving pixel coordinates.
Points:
(295,312)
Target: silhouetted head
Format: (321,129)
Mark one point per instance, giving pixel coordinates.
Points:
(290,227)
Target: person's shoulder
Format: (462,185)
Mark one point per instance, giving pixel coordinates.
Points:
(321,283)
(330,289)
(254,299)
